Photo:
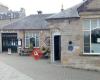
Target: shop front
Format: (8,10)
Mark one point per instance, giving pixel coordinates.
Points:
(9,41)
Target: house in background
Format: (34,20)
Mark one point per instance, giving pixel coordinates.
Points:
(3,8)
(8,16)
(33,26)
(75,31)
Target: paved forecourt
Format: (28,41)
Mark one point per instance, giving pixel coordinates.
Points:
(9,73)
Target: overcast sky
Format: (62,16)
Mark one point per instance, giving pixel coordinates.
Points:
(32,6)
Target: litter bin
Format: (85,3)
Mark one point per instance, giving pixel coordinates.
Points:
(9,51)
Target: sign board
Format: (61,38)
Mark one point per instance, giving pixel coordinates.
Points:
(19,42)
(98,40)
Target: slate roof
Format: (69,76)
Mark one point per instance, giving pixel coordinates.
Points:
(68,13)
(30,22)
(3,5)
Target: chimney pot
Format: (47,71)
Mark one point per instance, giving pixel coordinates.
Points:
(62,9)
(39,12)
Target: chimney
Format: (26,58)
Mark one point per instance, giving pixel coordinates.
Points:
(39,12)
(62,9)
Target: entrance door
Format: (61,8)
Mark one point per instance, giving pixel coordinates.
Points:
(9,40)
(57,47)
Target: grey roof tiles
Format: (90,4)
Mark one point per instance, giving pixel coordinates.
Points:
(30,22)
(68,13)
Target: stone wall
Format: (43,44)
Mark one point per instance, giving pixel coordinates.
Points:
(44,38)
(70,30)
(94,4)
(21,35)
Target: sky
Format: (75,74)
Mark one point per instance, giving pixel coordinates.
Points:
(46,6)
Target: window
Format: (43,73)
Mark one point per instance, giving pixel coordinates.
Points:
(29,36)
(94,23)
(86,42)
(91,28)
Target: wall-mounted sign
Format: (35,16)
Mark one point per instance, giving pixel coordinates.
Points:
(70,46)
(19,42)
(98,40)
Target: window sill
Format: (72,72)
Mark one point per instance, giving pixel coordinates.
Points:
(91,54)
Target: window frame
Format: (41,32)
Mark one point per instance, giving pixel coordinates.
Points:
(32,35)
(90,30)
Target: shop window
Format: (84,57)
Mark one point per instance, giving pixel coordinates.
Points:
(86,41)
(91,28)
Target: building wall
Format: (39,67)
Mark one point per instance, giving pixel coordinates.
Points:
(95,4)
(21,35)
(43,38)
(69,31)
(72,31)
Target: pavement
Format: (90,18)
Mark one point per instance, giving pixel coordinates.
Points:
(29,69)
(9,73)
(91,63)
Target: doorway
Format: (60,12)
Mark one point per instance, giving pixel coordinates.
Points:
(9,40)
(57,47)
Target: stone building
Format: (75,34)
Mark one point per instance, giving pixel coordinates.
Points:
(72,32)
(75,31)
(31,27)
(8,16)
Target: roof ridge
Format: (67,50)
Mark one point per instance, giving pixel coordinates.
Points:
(69,12)
(3,5)
(41,14)
(29,22)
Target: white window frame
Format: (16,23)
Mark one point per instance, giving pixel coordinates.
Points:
(98,26)
(36,41)
(33,35)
